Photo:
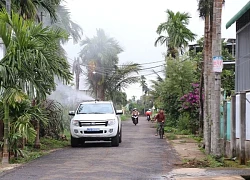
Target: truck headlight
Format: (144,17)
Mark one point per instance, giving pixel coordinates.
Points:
(111,122)
(75,123)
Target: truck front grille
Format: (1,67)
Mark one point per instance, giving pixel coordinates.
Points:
(92,123)
(93,132)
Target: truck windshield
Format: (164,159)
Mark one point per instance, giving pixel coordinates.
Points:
(95,108)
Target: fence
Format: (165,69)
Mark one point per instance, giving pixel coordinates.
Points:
(228,121)
(236,141)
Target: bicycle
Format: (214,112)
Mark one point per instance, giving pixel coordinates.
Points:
(161,130)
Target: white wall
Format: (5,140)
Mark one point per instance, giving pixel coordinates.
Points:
(238,116)
(247,116)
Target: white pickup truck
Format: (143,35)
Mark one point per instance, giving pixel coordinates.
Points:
(95,120)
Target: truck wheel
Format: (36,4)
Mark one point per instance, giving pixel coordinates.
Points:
(115,140)
(120,137)
(74,142)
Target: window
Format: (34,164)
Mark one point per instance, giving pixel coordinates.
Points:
(95,108)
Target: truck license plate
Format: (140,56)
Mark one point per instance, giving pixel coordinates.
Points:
(93,129)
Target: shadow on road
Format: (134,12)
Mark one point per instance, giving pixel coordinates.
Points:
(95,144)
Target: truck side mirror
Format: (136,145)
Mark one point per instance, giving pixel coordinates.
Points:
(71,113)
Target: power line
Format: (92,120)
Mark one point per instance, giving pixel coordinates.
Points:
(150,73)
(108,70)
(153,62)
(146,63)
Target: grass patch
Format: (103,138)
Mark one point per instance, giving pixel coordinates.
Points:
(235,164)
(195,163)
(125,117)
(213,163)
(171,136)
(47,144)
(209,161)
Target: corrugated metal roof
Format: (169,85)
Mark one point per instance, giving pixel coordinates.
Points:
(238,15)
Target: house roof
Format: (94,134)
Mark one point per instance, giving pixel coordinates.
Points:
(238,15)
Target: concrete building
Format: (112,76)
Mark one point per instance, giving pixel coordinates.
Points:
(242,68)
(229,43)
(240,134)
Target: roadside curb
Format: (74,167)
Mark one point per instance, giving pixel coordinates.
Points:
(8,167)
(202,174)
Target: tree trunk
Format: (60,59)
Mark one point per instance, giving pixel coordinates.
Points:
(5,157)
(77,80)
(201,99)
(1,130)
(37,144)
(206,131)
(216,50)
(37,127)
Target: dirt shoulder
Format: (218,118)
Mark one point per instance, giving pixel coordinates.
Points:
(187,148)
(189,151)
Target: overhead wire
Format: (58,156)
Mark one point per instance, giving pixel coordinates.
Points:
(140,64)
(103,70)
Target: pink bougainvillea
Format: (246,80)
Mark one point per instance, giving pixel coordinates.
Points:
(191,100)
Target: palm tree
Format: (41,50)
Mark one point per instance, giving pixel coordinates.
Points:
(205,8)
(100,55)
(178,35)
(55,15)
(33,58)
(28,9)
(64,22)
(77,70)
(120,79)
(21,115)
(144,85)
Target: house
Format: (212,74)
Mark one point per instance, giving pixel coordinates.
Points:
(229,43)
(242,68)
(241,103)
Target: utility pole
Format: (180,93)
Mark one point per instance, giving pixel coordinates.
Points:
(217,69)
(5,155)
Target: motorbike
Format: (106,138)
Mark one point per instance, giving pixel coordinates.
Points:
(148,117)
(135,119)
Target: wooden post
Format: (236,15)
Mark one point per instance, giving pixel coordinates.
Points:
(233,127)
(242,127)
(225,127)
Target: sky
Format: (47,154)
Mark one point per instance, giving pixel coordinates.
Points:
(133,24)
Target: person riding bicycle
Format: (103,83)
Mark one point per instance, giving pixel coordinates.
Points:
(160,118)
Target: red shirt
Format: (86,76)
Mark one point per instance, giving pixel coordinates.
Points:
(160,117)
(148,113)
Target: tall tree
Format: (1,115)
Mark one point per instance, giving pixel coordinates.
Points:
(205,10)
(177,34)
(119,79)
(29,9)
(144,85)
(100,55)
(33,57)
(77,70)
(64,22)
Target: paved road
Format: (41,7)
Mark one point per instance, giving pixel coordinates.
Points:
(141,155)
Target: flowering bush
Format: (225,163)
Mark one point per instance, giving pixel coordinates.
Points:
(190,109)
(191,100)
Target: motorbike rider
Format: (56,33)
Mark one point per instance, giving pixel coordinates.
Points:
(160,118)
(149,113)
(135,112)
